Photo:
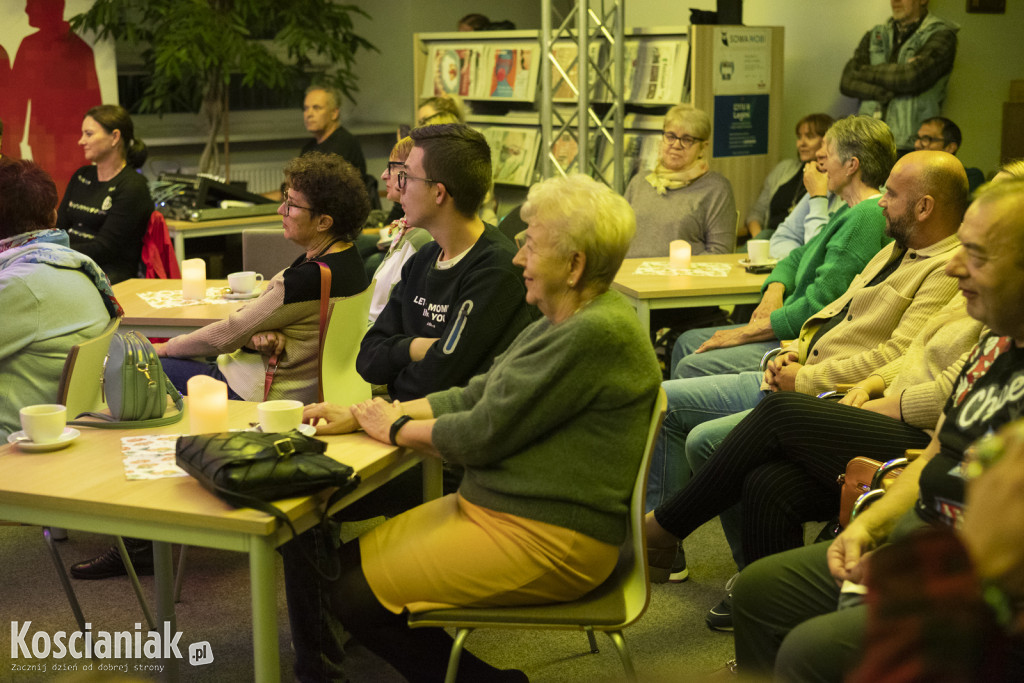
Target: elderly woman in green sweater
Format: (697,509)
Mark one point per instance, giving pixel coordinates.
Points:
(551,437)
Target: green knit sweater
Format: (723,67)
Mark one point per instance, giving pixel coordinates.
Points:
(555,429)
(820,271)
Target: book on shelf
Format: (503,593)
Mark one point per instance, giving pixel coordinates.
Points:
(452,70)
(655,70)
(565,69)
(513,153)
(640,152)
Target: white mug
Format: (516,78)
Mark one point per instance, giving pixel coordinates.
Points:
(44,423)
(245,281)
(279,416)
(757,251)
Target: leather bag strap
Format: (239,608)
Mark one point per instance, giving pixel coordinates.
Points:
(325,301)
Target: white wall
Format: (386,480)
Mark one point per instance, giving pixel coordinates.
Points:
(821,36)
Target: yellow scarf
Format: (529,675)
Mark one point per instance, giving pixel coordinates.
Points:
(663,180)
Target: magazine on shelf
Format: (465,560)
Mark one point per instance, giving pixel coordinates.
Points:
(452,69)
(513,153)
(511,71)
(565,70)
(640,153)
(655,70)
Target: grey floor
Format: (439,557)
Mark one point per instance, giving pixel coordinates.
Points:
(669,643)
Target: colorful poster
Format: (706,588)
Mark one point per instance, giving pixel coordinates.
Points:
(452,71)
(503,82)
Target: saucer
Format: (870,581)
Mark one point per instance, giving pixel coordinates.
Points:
(21,440)
(745,262)
(308,430)
(240,295)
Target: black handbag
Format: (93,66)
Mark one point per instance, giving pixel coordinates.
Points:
(250,469)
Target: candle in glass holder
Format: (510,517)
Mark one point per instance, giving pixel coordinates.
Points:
(679,254)
(193,278)
(207,405)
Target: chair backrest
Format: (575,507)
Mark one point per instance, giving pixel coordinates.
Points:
(267,251)
(81,380)
(338,377)
(636,587)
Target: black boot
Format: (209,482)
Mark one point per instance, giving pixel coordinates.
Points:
(109,563)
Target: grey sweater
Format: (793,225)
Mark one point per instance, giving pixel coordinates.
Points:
(554,431)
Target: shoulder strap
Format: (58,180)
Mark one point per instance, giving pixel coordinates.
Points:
(325,300)
(104,421)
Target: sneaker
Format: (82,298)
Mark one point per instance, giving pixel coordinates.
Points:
(720,616)
(679,573)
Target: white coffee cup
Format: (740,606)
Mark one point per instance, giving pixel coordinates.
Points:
(44,423)
(757,251)
(279,416)
(245,281)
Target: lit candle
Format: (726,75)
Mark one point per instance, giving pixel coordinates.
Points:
(193,278)
(679,254)
(207,405)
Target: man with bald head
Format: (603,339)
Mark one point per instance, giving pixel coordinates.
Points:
(870,325)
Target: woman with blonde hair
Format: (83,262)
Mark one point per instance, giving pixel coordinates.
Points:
(682,198)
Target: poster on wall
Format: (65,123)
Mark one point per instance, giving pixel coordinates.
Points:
(49,79)
(741,125)
(742,61)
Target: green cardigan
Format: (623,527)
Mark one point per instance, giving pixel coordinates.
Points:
(818,272)
(555,429)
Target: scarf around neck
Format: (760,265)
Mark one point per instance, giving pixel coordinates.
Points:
(663,180)
(51,247)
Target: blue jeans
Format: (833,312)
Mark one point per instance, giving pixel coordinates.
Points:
(729,360)
(180,370)
(692,402)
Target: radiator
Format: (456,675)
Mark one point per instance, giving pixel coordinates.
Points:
(260,177)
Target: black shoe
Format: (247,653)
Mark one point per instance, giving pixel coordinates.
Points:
(679,572)
(719,618)
(109,564)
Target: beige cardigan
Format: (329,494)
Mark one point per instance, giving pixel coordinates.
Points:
(882,320)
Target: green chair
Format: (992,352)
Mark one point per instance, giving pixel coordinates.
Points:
(611,607)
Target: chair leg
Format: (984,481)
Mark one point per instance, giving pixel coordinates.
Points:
(65,582)
(134,578)
(627,661)
(453,659)
(178,579)
(593,640)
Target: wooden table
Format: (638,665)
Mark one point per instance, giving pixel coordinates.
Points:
(183,230)
(84,487)
(650,292)
(168,322)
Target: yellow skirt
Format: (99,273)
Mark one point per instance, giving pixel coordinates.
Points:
(451,553)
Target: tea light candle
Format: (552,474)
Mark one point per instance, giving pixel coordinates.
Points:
(193,278)
(679,254)
(207,405)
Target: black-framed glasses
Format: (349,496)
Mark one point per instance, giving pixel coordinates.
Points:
(928,140)
(685,141)
(395,167)
(288,206)
(403,177)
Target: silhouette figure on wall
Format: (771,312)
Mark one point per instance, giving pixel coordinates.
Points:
(52,82)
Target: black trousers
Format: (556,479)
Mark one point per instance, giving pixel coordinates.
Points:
(781,462)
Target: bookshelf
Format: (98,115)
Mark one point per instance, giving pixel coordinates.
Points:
(733,73)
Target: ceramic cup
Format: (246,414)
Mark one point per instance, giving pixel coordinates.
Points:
(44,423)
(244,282)
(757,251)
(280,416)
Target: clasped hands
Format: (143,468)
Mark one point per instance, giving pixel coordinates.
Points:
(780,372)
(374,417)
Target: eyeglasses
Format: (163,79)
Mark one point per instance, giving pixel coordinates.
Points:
(403,177)
(423,121)
(288,206)
(686,141)
(395,167)
(520,240)
(928,140)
